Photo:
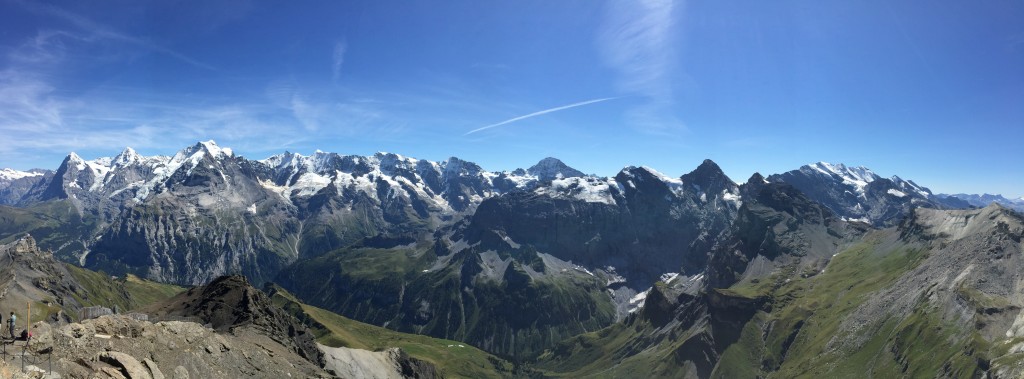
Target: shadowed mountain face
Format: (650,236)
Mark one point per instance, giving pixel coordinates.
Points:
(529,268)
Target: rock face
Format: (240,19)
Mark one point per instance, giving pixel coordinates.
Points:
(230,304)
(778,227)
(388,364)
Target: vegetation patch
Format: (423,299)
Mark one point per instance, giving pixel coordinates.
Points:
(453,358)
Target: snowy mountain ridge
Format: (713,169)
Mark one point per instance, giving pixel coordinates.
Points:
(452,185)
(858,177)
(11,174)
(859,194)
(455,185)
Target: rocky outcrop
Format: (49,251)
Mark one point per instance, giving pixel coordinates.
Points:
(127,365)
(28,274)
(121,347)
(118,346)
(388,364)
(230,304)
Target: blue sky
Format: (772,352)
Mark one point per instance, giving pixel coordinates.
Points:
(928,90)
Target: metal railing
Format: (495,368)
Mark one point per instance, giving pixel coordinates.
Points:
(9,352)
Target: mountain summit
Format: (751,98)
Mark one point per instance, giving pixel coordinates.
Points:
(710,178)
(552,168)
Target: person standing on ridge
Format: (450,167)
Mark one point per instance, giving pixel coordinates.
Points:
(11,324)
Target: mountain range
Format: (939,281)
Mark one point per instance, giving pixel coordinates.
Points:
(576,274)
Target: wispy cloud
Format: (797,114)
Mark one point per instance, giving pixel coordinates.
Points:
(639,41)
(538,113)
(97,31)
(338,58)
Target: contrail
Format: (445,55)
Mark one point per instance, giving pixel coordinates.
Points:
(538,113)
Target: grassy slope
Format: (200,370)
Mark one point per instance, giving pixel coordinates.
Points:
(518,319)
(127,293)
(602,354)
(56,225)
(807,313)
(145,292)
(453,361)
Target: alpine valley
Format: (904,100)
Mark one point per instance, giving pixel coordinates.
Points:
(823,271)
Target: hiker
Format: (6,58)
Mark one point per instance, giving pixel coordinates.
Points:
(10,324)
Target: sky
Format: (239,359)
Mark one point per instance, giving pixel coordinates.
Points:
(932,91)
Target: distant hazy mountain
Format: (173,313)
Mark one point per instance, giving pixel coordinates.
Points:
(15,184)
(986,199)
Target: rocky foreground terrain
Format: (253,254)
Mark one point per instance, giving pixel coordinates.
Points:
(225,329)
(119,346)
(122,347)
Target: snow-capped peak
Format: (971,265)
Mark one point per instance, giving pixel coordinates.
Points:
(216,151)
(286,159)
(911,186)
(196,152)
(390,162)
(858,177)
(551,168)
(456,166)
(126,157)
(11,174)
(100,166)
